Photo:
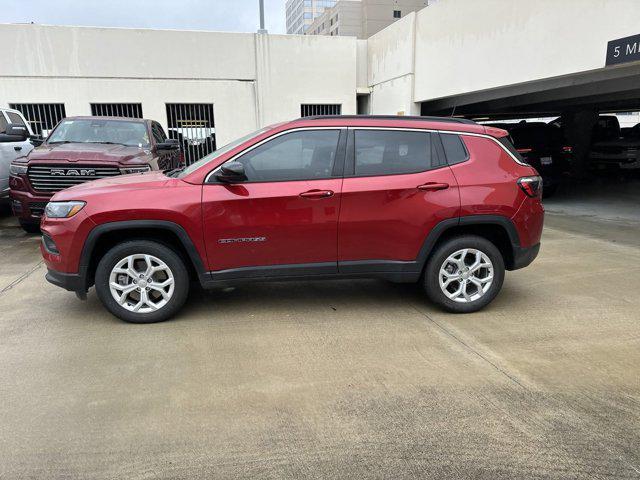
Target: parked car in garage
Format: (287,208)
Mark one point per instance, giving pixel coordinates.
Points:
(81,149)
(543,147)
(611,150)
(445,202)
(14,143)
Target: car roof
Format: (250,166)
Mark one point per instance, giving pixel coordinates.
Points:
(397,121)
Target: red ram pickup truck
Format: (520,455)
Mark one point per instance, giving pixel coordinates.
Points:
(81,149)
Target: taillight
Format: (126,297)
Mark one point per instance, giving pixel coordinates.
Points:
(531,186)
(567,149)
(524,151)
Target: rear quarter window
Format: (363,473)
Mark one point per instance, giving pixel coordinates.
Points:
(508,144)
(454,148)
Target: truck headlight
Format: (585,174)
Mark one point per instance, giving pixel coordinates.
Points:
(63,209)
(17,169)
(136,169)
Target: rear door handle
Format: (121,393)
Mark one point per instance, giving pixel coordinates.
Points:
(17,149)
(317,194)
(433,186)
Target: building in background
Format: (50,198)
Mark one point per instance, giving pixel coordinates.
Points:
(301,13)
(362,18)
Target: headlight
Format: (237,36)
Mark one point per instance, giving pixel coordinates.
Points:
(17,169)
(63,209)
(140,169)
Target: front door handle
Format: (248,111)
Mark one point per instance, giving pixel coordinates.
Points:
(317,194)
(433,186)
(17,149)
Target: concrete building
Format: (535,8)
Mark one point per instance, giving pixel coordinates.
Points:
(301,13)
(489,59)
(249,80)
(362,18)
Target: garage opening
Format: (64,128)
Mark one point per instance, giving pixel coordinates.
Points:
(127,110)
(42,117)
(580,132)
(193,125)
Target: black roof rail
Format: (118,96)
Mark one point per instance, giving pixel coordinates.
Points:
(393,117)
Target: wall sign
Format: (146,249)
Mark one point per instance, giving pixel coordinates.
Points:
(623,50)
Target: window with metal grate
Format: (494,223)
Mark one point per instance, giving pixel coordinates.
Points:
(312,110)
(193,125)
(41,116)
(128,110)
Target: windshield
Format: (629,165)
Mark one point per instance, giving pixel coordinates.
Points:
(221,151)
(96,130)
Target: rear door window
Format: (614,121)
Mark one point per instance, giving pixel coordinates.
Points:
(391,152)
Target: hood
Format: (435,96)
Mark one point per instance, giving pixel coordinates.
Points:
(119,183)
(89,152)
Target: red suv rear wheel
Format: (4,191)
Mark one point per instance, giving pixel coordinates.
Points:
(464,274)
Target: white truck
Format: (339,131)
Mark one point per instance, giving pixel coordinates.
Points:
(14,143)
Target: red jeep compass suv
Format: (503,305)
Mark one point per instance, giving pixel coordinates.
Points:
(442,201)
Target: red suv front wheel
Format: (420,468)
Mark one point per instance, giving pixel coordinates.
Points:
(142,281)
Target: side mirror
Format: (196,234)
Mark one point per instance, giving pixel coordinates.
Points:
(232,172)
(14,133)
(36,140)
(168,144)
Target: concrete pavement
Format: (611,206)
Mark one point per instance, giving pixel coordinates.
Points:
(347,379)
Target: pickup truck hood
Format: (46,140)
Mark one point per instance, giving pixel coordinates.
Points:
(91,152)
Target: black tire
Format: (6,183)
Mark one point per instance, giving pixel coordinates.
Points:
(30,227)
(442,252)
(158,250)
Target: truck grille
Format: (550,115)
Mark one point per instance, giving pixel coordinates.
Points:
(51,179)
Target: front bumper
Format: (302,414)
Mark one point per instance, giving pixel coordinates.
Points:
(73,282)
(27,206)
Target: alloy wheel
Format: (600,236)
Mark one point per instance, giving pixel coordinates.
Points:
(141,283)
(466,275)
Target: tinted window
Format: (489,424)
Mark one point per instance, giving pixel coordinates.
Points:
(304,155)
(3,123)
(158,133)
(508,144)
(15,118)
(387,152)
(97,130)
(454,148)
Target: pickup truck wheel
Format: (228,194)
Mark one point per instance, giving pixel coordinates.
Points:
(142,281)
(464,274)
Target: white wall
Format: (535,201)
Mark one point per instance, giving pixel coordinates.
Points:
(391,68)
(252,80)
(297,69)
(39,50)
(469,45)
